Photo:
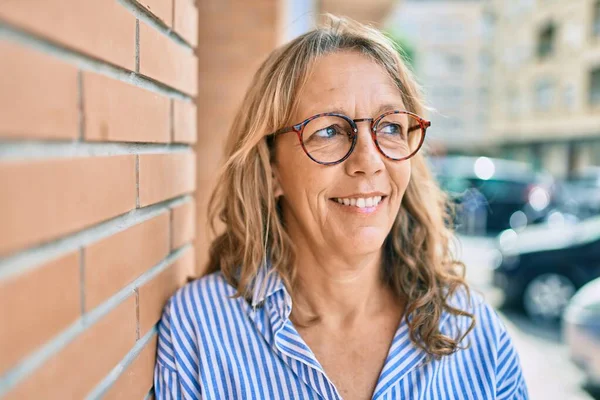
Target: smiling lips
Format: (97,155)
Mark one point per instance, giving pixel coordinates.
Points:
(360,202)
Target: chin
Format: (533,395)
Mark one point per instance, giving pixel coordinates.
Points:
(365,243)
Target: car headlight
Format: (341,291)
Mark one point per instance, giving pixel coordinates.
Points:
(539,198)
(507,261)
(497,259)
(508,240)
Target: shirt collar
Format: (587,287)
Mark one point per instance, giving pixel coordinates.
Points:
(266,283)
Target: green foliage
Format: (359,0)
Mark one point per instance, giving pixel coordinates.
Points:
(404,47)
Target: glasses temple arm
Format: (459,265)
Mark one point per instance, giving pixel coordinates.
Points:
(282,130)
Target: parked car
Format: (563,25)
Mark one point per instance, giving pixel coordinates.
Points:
(494,194)
(541,267)
(580,194)
(581,328)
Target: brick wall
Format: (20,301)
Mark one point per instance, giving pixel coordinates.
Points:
(97,181)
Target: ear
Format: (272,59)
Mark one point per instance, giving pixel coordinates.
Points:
(277,189)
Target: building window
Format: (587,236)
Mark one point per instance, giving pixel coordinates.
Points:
(546,39)
(595,87)
(544,94)
(485,62)
(569,96)
(455,63)
(514,102)
(486,26)
(596,23)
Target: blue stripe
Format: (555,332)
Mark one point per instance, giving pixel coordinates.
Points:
(243,364)
(184,353)
(253,345)
(233,378)
(211,343)
(219,346)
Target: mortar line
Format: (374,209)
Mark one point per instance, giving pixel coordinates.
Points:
(81,105)
(137,181)
(20,150)
(104,386)
(171,229)
(36,256)
(137,313)
(37,358)
(87,63)
(144,15)
(82,279)
(137,45)
(172,122)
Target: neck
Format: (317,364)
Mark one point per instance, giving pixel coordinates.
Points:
(332,290)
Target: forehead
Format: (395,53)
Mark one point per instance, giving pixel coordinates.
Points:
(349,82)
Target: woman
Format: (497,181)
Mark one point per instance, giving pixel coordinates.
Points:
(333,277)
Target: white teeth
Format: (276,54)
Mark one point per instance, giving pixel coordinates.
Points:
(361,202)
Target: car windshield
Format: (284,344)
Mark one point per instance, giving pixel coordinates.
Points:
(495,189)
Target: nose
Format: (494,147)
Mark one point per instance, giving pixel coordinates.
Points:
(365,158)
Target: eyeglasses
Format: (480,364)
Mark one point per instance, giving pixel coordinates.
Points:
(330,138)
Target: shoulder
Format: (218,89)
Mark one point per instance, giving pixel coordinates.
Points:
(486,352)
(209,288)
(489,334)
(487,323)
(198,302)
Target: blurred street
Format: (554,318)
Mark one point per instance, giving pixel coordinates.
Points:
(544,357)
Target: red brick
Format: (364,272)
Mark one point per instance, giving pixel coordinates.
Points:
(37,305)
(113,262)
(155,293)
(103,28)
(117,111)
(164,176)
(163,9)
(184,122)
(38,95)
(137,379)
(166,61)
(84,362)
(46,199)
(186,21)
(183,219)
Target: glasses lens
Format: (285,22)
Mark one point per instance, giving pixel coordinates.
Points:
(399,135)
(327,138)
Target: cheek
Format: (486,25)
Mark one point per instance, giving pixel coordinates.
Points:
(298,175)
(401,175)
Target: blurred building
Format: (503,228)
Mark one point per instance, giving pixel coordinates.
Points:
(452,61)
(370,12)
(546,82)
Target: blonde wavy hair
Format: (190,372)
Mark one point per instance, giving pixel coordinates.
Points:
(417,259)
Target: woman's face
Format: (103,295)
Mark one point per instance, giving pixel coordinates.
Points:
(351,84)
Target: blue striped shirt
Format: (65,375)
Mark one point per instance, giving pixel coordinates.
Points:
(212,346)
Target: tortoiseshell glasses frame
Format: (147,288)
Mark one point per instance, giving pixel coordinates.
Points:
(422,124)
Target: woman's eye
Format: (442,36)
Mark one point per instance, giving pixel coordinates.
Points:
(328,132)
(391,129)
